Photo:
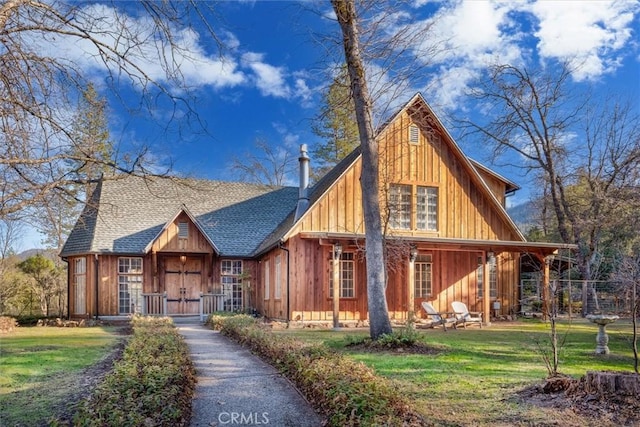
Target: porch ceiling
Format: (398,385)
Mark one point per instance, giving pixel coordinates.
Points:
(441,243)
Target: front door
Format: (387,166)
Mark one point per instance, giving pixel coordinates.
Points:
(183,283)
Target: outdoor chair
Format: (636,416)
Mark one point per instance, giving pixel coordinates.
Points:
(464,316)
(436,318)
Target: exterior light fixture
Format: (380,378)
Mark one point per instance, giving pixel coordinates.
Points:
(413,253)
(183,259)
(337,250)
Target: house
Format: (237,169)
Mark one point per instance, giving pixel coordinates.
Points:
(179,246)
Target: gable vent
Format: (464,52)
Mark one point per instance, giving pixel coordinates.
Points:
(183,230)
(414,134)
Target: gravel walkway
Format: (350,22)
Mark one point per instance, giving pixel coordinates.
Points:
(237,388)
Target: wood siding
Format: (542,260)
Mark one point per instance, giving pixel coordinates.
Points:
(465,209)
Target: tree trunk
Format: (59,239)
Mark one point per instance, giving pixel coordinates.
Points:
(379,323)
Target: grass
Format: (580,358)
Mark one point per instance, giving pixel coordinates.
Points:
(38,367)
(473,377)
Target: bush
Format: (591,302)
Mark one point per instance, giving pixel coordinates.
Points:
(7,324)
(151,385)
(347,392)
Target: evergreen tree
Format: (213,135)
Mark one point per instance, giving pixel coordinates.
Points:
(336,125)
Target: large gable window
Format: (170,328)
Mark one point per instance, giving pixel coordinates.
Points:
(400,206)
(406,215)
(129,285)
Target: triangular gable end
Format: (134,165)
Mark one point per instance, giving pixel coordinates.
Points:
(166,235)
(423,110)
(423,116)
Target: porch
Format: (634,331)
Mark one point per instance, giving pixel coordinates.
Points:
(159,304)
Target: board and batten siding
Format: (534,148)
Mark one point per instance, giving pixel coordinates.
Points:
(465,211)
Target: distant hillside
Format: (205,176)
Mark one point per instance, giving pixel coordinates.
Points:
(523,215)
(48,253)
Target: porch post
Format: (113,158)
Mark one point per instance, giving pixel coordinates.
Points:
(337,252)
(411,309)
(486,289)
(545,288)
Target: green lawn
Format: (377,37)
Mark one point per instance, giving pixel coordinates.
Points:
(472,378)
(39,365)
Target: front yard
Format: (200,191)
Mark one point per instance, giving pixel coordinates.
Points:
(481,376)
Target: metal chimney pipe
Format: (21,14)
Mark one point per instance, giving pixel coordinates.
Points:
(303,196)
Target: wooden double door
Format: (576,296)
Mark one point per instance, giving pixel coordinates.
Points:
(183,277)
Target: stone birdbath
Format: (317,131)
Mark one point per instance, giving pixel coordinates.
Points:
(602,339)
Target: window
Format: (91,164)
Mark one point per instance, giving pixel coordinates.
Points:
(427,208)
(347,282)
(129,285)
(80,282)
(414,134)
(267,275)
(423,276)
(493,277)
(277,290)
(230,272)
(183,230)
(401,208)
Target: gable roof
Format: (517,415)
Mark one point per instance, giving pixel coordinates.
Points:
(417,100)
(129,213)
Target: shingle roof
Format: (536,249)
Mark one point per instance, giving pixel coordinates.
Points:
(132,211)
(318,189)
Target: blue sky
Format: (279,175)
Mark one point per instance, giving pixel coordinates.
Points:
(267,81)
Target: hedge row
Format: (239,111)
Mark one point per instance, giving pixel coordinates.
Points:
(152,385)
(348,393)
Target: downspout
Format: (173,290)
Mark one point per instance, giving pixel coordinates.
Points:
(281,246)
(95,277)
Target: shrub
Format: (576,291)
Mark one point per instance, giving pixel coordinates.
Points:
(151,385)
(7,324)
(347,392)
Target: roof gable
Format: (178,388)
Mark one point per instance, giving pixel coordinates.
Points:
(422,115)
(133,211)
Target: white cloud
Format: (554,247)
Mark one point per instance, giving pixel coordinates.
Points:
(146,53)
(592,33)
(269,79)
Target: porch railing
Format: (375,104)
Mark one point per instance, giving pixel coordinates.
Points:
(210,303)
(154,304)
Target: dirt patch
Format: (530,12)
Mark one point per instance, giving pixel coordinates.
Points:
(79,386)
(417,348)
(569,396)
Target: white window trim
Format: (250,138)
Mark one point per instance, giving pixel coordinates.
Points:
(267,279)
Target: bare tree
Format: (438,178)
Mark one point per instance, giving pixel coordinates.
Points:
(376,276)
(628,274)
(266,165)
(586,154)
(39,86)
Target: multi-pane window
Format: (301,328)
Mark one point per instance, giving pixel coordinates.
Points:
(230,272)
(401,207)
(267,279)
(277,290)
(423,276)
(129,285)
(427,208)
(347,282)
(80,282)
(493,277)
